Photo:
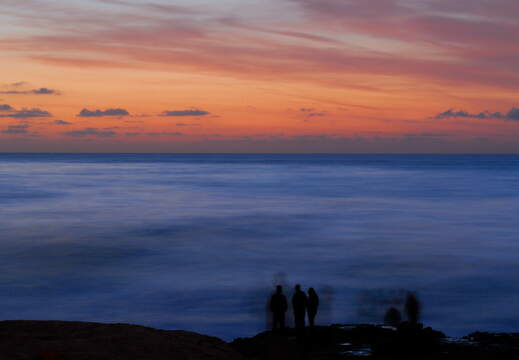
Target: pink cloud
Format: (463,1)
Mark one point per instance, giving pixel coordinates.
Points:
(473,51)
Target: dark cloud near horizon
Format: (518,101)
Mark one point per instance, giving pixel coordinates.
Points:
(511,115)
(316,114)
(6,107)
(23,113)
(186,124)
(44,91)
(40,91)
(312,113)
(192,112)
(165,133)
(430,137)
(61,122)
(427,134)
(90,132)
(16,129)
(101,113)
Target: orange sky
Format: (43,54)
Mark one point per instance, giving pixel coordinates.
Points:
(259,76)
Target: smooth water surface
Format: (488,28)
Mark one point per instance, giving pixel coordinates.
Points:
(197,242)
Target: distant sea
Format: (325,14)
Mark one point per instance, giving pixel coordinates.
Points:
(197,242)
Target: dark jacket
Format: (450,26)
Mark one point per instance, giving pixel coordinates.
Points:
(313,302)
(278,303)
(299,302)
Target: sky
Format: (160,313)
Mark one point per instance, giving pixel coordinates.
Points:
(289,76)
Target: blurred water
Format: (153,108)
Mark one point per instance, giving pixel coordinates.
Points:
(196,241)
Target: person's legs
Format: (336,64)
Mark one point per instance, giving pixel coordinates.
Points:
(311,318)
(275,321)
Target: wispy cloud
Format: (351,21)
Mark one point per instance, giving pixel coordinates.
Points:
(312,113)
(437,41)
(17,84)
(154,6)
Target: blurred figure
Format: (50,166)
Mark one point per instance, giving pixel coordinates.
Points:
(278,307)
(392,317)
(326,302)
(313,304)
(299,304)
(412,308)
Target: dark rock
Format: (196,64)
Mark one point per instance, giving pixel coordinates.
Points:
(407,341)
(63,340)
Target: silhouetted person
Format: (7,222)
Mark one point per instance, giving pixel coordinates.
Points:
(412,308)
(278,307)
(392,317)
(313,304)
(299,304)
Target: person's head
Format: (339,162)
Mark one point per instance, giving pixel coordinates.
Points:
(311,291)
(298,288)
(279,289)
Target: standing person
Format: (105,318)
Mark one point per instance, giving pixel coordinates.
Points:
(412,308)
(299,303)
(313,304)
(278,307)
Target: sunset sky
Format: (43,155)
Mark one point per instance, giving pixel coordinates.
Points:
(359,76)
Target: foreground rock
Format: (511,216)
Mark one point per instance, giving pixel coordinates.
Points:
(63,340)
(377,342)
(60,340)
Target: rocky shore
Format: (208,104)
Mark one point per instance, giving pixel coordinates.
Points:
(62,340)
(407,341)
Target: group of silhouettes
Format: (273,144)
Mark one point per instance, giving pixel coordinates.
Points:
(412,308)
(301,305)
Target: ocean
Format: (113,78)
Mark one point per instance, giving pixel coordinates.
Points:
(198,242)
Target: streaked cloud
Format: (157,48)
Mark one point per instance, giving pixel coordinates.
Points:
(344,67)
(435,42)
(18,84)
(312,113)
